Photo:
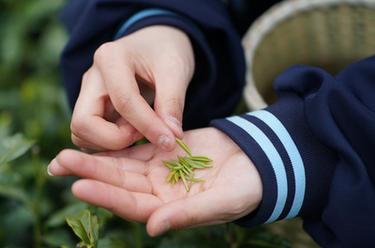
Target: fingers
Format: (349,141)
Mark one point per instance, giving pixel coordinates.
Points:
(169,101)
(124,173)
(140,152)
(131,206)
(201,209)
(119,76)
(172,79)
(85,144)
(89,128)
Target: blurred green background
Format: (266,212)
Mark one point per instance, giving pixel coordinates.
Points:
(34,123)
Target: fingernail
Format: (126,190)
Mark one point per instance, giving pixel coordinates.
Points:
(49,168)
(164,227)
(164,142)
(174,123)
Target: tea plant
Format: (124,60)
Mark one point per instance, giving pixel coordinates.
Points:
(86,227)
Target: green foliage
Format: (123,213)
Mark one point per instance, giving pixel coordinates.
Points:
(86,227)
(12,147)
(33,206)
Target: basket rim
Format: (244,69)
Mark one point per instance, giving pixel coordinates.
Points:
(266,22)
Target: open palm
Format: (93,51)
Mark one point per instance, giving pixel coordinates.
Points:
(132,183)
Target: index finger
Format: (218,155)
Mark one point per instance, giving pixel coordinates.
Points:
(119,77)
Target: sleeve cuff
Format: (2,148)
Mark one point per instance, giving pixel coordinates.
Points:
(149,17)
(142,15)
(295,168)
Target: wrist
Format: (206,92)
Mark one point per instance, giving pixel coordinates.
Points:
(289,159)
(251,191)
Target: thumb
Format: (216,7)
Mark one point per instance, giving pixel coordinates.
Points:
(205,208)
(170,100)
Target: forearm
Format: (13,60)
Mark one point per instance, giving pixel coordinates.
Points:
(218,52)
(312,149)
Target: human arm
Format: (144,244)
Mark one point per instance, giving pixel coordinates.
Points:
(313,149)
(219,65)
(314,160)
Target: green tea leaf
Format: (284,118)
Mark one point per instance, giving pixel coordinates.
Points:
(184,181)
(170,176)
(58,218)
(198,165)
(176,177)
(168,165)
(196,180)
(185,164)
(14,192)
(13,147)
(184,167)
(200,159)
(90,224)
(94,230)
(78,228)
(183,146)
(187,173)
(183,161)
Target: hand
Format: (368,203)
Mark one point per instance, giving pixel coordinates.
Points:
(113,111)
(132,183)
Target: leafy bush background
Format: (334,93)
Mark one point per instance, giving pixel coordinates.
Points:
(33,206)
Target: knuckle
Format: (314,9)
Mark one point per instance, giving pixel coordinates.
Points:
(78,142)
(103,52)
(65,153)
(120,141)
(179,64)
(151,132)
(116,145)
(173,101)
(122,103)
(127,48)
(189,219)
(175,106)
(123,181)
(175,60)
(112,201)
(75,140)
(86,76)
(90,169)
(77,126)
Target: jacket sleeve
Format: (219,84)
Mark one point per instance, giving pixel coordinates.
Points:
(220,68)
(314,150)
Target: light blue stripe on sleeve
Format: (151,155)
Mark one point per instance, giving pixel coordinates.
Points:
(275,160)
(296,160)
(139,16)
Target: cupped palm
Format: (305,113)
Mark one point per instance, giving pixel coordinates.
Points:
(132,183)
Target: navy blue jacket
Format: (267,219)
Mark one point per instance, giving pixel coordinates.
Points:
(313,148)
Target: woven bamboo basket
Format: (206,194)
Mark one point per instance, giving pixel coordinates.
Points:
(326,33)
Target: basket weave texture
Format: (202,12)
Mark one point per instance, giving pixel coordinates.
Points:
(326,33)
